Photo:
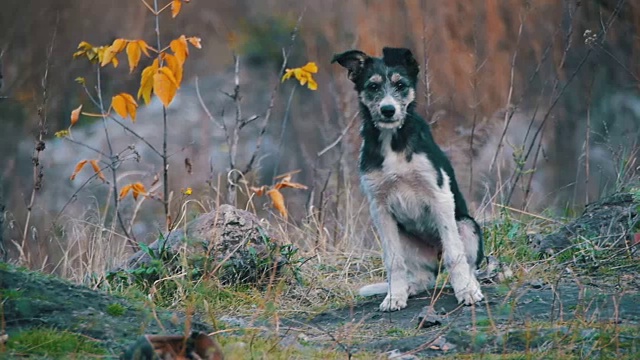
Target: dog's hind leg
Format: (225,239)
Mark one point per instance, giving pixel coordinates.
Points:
(422,263)
(394,261)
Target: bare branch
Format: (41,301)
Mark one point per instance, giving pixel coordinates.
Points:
(265,120)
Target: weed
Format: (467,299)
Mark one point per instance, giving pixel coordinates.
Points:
(53,343)
(116,309)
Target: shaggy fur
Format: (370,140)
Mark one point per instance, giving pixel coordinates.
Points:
(415,203)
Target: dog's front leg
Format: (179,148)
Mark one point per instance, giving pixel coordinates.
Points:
(394,261)
(464,283)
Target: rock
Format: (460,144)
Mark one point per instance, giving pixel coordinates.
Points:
(395,354)
(610,220)
(228,238)
(428,318)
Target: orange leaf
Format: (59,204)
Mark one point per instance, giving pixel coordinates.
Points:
(125,190)
(277,200)
(138,189)
(195,41)
(179,48)
(133,55)
(164,85)
(175,66)
(176,5)
(146,81)
(96,169)
(79,167)
(119,104)
(259,191)
(75,115)
(285,184)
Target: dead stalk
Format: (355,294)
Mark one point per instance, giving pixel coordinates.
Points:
(38,173)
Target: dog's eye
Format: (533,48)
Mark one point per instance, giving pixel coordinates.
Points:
(373,86)
(400,86)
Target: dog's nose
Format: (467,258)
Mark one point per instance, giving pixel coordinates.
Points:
(388,110)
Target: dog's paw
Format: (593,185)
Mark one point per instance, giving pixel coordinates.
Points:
(394,302)
(471,294)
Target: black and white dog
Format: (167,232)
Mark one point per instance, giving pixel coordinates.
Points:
(416,205)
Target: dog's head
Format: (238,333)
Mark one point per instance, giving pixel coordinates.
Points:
(386,86)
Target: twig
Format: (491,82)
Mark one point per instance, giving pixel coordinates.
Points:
(508,114)
(165,132)
(204,107)
(285,120)
(114,161)
(40,145)
(339,138)
(235,137)
(274,92)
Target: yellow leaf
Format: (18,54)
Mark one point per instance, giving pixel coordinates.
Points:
(164,85)
(133,55)
(287,74)
(304,75)
(312,84)
(96,169)
(146,81)
(188,191)
(144,47)
(176,5)
(175,66)
(311,67)
(179,48)
(79,167)
(119,104)
(111,52)
(125,190)
(75,115)
(125,105)
(62,133)
(277,200)
(132,105)
(195,41)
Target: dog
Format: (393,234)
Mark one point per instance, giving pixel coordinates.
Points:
(415,203)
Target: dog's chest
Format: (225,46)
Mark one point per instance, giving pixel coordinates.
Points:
(405,185)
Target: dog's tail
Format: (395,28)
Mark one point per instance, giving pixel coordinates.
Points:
(374,289)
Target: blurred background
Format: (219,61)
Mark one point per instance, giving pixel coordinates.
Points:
(536,101)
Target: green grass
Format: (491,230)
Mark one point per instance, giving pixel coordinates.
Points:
(47,343)
(116,309)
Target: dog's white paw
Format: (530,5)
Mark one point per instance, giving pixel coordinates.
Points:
(394,302)
(470,294)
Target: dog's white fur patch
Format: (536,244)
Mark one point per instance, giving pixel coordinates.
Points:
(403,190)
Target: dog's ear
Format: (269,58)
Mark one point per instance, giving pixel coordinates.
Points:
(401,57)
(352,60)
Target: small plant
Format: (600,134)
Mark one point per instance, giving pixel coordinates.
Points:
(115,309)
(162,78)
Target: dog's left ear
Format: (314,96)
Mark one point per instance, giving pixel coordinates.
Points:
(401,57)
(352,60)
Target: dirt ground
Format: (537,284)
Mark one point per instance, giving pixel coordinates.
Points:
(532,317)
